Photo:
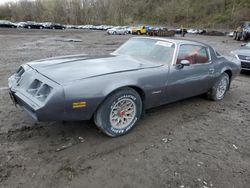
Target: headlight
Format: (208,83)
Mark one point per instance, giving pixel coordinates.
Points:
(43,92)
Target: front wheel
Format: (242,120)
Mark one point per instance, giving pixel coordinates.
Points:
(119,112)
(220,88)
(235,36)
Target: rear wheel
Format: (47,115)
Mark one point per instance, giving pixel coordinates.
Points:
(138,33)
(119,112)
(220,88)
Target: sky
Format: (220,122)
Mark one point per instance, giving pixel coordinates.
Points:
(4,1)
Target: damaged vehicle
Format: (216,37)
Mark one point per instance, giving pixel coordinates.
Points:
(116,89)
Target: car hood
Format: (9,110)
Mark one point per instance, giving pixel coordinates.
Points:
(71,68)
(243,51)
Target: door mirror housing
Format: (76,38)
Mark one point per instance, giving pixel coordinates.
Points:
(185,62)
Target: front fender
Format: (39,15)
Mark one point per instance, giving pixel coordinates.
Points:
(94,90)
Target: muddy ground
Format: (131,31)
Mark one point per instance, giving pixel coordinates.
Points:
(191,143)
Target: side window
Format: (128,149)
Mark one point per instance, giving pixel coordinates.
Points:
(193,53)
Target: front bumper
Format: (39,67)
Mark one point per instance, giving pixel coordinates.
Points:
(245,65)
(58,104)
(28,106)
(31,99)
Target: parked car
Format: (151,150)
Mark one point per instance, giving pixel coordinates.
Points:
(128,29)
(193,31)
(196,31)
(7,24)
(242,32)
(179,31)
(140,30)
(161,32)
(106,27)
(71,27)
(243,54)
(115,89)
(20,24)
(50,25)
(117,31)
(230,34)
(33,25)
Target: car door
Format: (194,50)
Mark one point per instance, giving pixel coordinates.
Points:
(193,78)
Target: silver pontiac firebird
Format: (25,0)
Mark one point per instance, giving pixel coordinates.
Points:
(116,89)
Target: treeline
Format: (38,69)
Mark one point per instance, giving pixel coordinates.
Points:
(208,13)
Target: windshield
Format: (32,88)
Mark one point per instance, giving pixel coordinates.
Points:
(247,45)
(157,51)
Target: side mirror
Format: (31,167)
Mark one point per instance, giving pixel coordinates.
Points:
(183,63)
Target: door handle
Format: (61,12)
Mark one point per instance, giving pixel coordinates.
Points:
(211,71)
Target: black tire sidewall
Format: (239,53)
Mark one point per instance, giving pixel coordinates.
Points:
(105,110)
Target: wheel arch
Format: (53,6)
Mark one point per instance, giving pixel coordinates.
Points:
(230,74)
(139,90)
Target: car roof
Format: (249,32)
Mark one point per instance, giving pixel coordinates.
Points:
(177,41)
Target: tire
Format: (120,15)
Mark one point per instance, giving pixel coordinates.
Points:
(106,112)
(245,37)
(138,33)
(29,27)
(218,91)
(235,35)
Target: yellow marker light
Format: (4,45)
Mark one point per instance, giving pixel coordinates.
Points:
(81,104)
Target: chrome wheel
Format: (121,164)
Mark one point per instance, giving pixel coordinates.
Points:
(222,88)
(122,113)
